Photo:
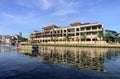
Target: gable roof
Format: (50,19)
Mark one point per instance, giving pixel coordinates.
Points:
(51,26)
(75,23)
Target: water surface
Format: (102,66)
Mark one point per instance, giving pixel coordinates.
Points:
(59,63)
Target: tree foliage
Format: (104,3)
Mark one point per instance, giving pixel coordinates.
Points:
(22,39)
(83,36)
(100,35)
(112,36)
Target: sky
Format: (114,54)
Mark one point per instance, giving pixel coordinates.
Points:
(28,15)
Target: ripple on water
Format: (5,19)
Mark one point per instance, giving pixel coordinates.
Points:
(60,63)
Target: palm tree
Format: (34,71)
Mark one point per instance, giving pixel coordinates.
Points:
(66,38)
(53,36)
(77,39)
(56,38)
(100,35)
(119,39)
(83,36)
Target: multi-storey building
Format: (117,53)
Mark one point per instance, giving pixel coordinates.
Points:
(5,38)
(75,32)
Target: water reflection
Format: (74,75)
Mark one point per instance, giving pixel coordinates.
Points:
(4,49)
(81,58)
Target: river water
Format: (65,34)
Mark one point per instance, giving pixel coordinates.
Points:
(59,63)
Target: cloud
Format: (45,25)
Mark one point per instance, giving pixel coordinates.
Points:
(6,18)
(62,12)
(26,19)
(25,3)
(12,24)
(40,4)
(45,4)
(64,7)
(53,7)
(7,15)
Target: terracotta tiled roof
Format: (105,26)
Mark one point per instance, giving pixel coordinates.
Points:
(50,26)
(75,23)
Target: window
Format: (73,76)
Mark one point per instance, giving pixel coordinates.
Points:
(99,26)
(68,30)
(77,34)
(94,27)
(64,34)
(88,33)
(64,30)
(88,28)
(94,33)
(82,29)
(77,29)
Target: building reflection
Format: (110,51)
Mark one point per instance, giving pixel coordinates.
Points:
(29,52)
(81,58)
(4,49)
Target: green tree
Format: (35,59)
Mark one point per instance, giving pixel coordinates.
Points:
(83,36)
(119,39)
(107,36)
(22,39)
(56,38)
(66,38)
(111,35)
(100,35)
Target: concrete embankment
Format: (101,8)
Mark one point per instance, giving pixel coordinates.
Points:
(25,47)
(81,45)
(71,45)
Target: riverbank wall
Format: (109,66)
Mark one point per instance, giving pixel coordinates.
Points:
(100,44)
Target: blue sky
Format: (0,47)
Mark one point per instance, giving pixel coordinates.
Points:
(28,15)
